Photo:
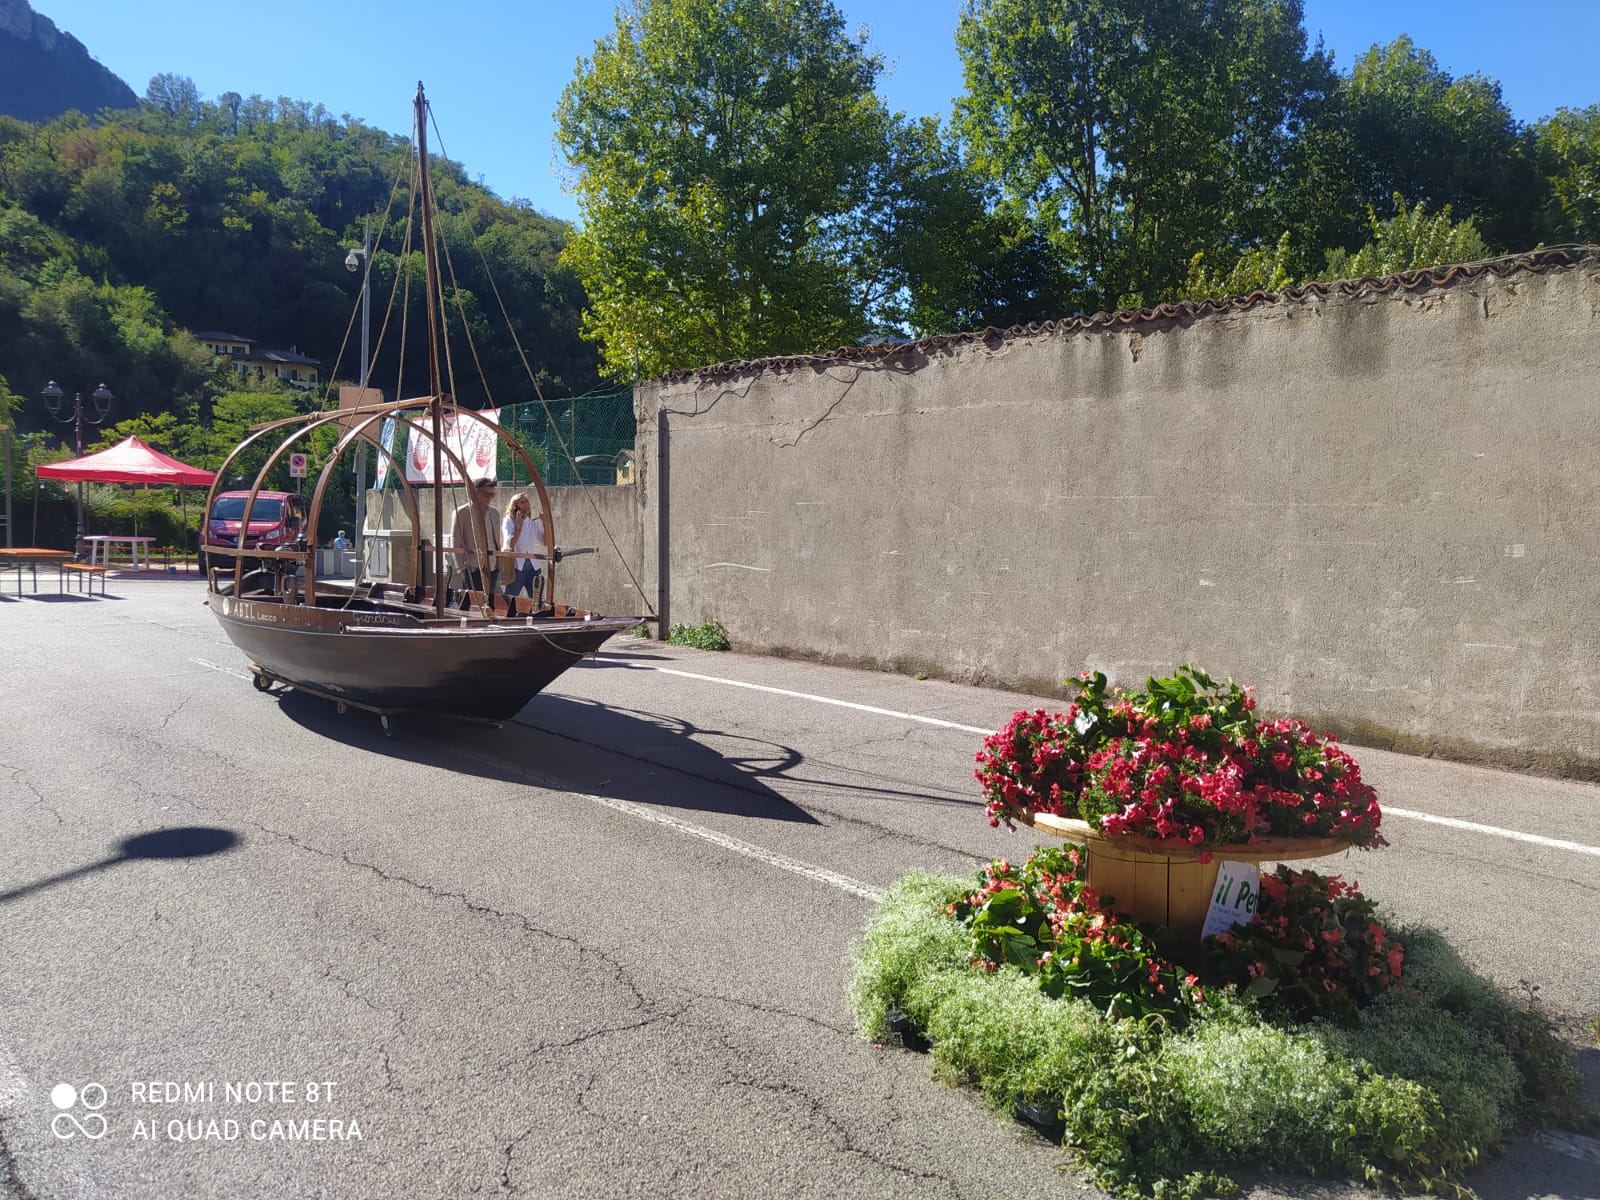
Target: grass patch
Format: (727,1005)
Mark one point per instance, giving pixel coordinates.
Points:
(1439,1071)
(708,635)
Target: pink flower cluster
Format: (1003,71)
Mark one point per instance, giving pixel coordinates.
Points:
(1315,948)
(1184,761)
(1044,920)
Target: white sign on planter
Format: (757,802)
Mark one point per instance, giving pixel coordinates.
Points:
(1234,900)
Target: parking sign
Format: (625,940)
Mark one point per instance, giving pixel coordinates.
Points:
(297,466)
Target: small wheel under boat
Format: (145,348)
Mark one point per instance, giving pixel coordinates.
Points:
(263,684)
(343,708)
(388,729)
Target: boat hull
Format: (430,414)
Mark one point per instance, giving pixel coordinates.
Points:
(466,666)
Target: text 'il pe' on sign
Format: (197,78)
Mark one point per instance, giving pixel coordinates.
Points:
(1233,900)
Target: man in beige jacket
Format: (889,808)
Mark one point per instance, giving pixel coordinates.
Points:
(475,538)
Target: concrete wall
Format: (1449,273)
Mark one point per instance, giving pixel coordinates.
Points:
(611,521)
(1378,504)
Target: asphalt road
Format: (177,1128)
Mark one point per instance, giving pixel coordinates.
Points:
(601,952)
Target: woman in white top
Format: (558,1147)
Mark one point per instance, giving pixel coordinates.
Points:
(525,536)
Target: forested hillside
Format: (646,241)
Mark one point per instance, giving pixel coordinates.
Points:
(120,237)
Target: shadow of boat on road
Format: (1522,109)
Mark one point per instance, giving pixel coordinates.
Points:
(573,745)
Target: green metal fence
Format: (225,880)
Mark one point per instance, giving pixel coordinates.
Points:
(598,432)
(586,439)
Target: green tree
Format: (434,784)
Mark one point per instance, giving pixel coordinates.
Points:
(956,258)
(725,155)
(175,96)
(160,431)
(1137,132)
(1259,270)
(1568,154)
(1401,123)
(1411,240)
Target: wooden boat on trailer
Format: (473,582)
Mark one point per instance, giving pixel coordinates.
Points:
(391,647)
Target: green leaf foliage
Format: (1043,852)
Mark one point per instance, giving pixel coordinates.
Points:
(744,191)
(1443,141)
(1410,241)
(119,237)
(1136,132)
(1258,270)
(1437,1073)
(1567,146)
(707,635)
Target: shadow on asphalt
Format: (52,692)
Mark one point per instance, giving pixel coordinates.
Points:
(621,656)
(580,746)
(187,841)
(666,740)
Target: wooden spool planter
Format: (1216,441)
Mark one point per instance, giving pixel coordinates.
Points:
(1165,882)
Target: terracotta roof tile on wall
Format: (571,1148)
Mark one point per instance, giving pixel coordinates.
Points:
(1555,258)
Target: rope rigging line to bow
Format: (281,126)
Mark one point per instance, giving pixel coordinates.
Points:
(552,424)
(366,282)
(422,196)
(456,289)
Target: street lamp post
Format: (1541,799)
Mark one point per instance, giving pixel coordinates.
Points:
(6,435)
(54,399)
(361,260)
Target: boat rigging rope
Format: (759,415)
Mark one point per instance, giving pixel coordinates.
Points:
(553,424)
(366,282)
(400,289)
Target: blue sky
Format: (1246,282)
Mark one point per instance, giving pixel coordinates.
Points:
(494,69)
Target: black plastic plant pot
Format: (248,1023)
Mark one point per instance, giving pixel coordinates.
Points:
(910,1037)
(1044,1117)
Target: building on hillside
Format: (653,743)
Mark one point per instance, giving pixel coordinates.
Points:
(248,356)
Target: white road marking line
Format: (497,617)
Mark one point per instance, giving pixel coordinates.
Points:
(761,687)
(210,666)
(771,857)
(1388,810)
(645,812)
(1493,830)
(1452,822)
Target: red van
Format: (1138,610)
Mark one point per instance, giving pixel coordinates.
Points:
(276,520)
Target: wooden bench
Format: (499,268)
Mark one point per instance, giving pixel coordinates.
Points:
(82,572)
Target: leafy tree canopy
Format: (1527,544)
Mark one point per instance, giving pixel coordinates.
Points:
(1135,131)
(735,171)
(1410,127)
(117,238)
(1410,240)
(1567,147)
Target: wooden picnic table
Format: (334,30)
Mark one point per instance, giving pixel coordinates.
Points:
(18,557)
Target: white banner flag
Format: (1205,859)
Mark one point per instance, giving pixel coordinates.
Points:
(472,441)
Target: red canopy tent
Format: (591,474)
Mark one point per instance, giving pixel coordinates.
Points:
(131,461)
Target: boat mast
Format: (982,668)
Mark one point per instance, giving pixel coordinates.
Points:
(436,403)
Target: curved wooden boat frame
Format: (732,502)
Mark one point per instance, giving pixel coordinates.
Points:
(310,422)
(391,653)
